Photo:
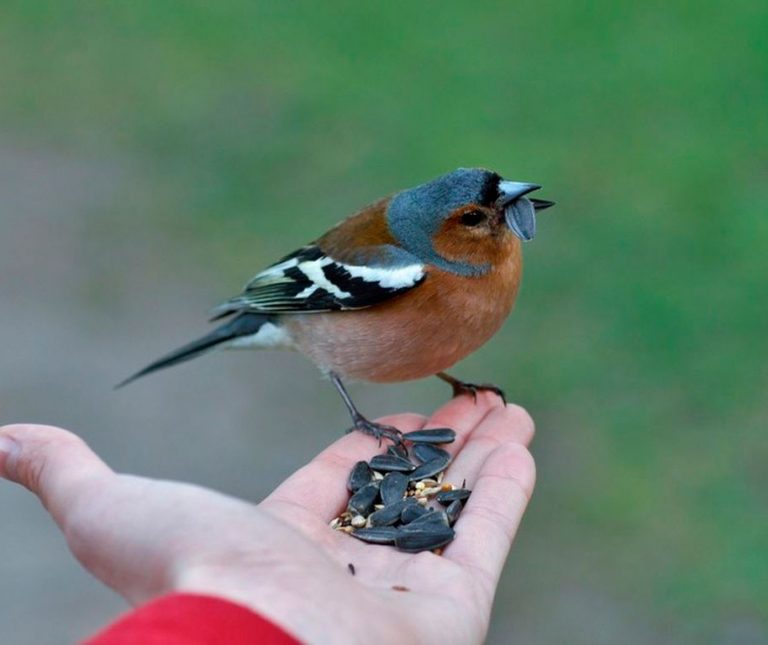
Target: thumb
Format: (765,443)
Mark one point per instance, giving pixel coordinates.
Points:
(52,463)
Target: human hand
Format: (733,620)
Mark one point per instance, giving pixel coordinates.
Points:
(145,538)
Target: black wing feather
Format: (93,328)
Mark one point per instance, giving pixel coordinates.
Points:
(309,281)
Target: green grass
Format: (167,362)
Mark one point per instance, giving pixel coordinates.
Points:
(639,339)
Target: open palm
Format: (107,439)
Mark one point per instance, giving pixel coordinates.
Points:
(145,538)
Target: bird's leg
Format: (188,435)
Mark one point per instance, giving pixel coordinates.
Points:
(460,387)
(359,422)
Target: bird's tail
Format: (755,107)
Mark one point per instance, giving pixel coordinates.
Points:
(242,325)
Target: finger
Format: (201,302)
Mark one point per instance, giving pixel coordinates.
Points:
(52,463)
(502,425)
(487,526)
(463,414)
(320,487)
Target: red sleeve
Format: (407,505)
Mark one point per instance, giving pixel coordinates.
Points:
(190,619)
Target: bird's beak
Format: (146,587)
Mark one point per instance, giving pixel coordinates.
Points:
(541,204)
(509,191)
(519,211)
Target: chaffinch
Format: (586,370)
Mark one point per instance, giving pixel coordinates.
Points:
(401,290)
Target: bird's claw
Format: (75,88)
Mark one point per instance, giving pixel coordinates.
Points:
(460,387)
(378,431)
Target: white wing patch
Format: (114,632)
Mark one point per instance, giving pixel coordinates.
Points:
(313,270)
(399,278)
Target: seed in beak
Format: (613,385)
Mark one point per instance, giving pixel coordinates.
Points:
(520,216)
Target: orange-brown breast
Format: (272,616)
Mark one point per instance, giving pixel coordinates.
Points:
(421,332)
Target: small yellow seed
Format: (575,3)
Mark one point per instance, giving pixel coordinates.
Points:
(420,485)
(446,486)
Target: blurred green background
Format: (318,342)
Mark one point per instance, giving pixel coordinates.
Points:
(178,147)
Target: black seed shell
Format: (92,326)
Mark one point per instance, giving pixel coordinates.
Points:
(377,534)
(447,496)
(429,468)
(412,511)
(434,435)
(390,463)
(426,451)
(393,487)
(453,511)
(388,515)
(432,516)
(360,475)
(363,500)
(425,539)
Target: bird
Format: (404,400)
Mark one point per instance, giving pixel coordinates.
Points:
(401,290)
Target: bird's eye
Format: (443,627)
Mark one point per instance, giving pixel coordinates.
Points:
(472,218)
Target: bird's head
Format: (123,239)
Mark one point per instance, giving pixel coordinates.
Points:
(461,221)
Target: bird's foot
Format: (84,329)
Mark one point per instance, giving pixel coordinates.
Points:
(461,387)
(378,431)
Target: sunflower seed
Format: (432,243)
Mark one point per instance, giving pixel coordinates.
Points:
(425,539)
(411,512)
(360,475)
(448,496)
(434,435)
(389,514)
(393,488)
(432,516)
(429,468)
(363,500)
(391,463)
(453,511)
(398,450)
(377,534)
(425,451)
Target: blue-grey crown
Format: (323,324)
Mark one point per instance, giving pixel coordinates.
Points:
(415,214)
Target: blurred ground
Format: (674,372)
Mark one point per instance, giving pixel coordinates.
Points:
(155,155)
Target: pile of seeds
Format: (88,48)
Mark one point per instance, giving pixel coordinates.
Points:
(391,495)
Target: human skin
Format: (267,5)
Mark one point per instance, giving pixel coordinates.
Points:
(145,538)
